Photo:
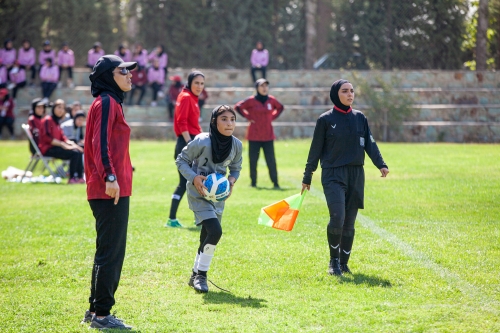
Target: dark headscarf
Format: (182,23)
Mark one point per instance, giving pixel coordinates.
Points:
(33,107)
(258,96)
(221,144)
(191,77)
(106,83)
(56,118)
(334,94)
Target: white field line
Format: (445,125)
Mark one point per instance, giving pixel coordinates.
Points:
(471,291)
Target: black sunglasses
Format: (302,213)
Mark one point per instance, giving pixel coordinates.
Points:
(123,71)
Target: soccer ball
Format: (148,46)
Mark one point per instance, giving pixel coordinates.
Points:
(218,187)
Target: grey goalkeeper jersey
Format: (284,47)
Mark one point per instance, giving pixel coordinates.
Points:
(198,153)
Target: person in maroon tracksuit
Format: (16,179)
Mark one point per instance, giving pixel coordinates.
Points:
(36,114)
(261,110)
(108,171)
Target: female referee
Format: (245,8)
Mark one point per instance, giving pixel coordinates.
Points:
(341,137)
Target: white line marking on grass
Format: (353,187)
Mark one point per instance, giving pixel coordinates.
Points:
(474,292)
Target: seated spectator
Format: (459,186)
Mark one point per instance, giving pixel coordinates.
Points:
(8,54)
(49,75)
(27,58)
(66,61)
(3,75)
(46,53)
(73,128)
(36,114)
(259,60)
(202,98)
(159,54)
(6,112)
(139,82)
(75,107)
(17,78)
(140,55)
(54,143)
(123,53)
(156,79)
(174,91)
(94,54)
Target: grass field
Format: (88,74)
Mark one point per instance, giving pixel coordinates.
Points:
(426,257)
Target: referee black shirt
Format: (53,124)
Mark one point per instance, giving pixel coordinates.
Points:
(341,138)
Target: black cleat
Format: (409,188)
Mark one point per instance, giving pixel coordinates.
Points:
(191,280)
(345,269)
(334,267)
(200,284)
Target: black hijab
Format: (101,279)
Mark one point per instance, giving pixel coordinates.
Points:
(54,117)
(221,144)
(334,94)
(191,77)
(105,83)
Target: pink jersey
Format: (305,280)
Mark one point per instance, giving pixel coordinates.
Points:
(8,56)
(125,57)
(156,75)
(162,60)
(49,74)
(17,76)
(26,57)
(259,58)
(66,58)
(141,58)
(44,55)
(93,56)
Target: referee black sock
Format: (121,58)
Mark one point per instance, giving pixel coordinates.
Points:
(346,245)
(334,242)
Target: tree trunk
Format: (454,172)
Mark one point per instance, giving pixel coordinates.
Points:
(385,126)
(481,39)
(388,35)
(132,27)
(311,12)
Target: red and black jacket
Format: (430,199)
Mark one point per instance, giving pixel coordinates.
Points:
(107,138)
(261,116)
(50,131)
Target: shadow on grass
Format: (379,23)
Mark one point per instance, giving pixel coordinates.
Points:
(244,302)
(279,189)
(372,281)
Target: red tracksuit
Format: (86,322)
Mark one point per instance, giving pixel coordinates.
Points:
(50,130)
(187,113)
(261,115)
(107,139)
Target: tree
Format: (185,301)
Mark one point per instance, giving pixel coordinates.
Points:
(481,39)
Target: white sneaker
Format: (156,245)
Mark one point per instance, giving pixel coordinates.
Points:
(153,103)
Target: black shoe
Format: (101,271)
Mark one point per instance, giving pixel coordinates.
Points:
(108,322)
(253,185)
(345,269)
(191,280)
(200,283)
(276,187)
(334,267)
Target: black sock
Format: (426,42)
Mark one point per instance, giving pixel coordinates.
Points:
(204,273)
(334,244)
(346,245)
(173,208)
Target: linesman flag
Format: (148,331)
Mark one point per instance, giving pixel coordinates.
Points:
(282,214)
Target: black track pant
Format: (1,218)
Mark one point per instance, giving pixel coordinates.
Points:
(211,232)
(9,122)
(253,155)
(111,223)
(261,69)
(181,188)
(74,157)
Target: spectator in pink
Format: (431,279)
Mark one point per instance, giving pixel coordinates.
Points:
(66,61)
(6,112)
(156,79)
(17,78)
(140,55)
(174,91)
(139,82)
(94,54)
(45,53)
(259,60)
(123,53)
(27,58)
(3,75)
(8,54)
(49,75)
(159,54)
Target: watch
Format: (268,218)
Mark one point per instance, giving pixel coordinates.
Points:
(110,178)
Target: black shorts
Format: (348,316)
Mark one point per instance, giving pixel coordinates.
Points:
(345,184)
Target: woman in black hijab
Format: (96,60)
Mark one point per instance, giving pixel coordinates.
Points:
(341,138)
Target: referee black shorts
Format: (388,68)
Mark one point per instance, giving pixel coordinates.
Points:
(345,184)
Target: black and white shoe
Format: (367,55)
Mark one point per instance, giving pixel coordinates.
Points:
(200,283)
(108,322)
(334,267)
(345,269)
(191,280)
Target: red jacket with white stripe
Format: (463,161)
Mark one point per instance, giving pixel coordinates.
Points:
(260,116)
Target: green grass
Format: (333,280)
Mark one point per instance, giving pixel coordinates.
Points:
(426,257)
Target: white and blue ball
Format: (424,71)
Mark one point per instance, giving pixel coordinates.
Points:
(218,187)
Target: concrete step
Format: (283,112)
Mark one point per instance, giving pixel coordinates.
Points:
(324,78)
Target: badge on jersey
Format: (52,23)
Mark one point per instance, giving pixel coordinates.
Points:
(362,141)
(226,163)
(269,106)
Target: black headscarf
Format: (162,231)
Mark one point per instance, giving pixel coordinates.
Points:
(106,83)
(334,94)
(56,118)
(221,144)
(191,77)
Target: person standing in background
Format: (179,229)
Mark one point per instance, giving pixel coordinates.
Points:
(174,91)
(261,110)
(123,53)
(66,61)
(259,60)
(139,82)
(94,54)
(108,171)
(27,58)
(186,127)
